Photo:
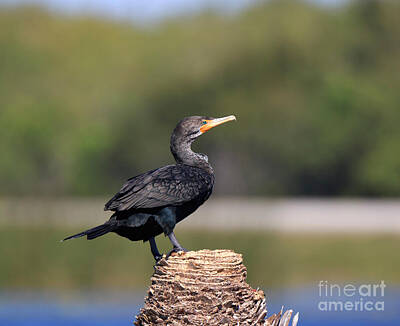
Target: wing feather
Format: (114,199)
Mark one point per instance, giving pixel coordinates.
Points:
(168,186)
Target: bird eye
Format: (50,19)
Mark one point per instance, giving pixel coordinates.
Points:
(204,122)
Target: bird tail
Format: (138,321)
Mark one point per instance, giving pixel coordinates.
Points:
(93,233)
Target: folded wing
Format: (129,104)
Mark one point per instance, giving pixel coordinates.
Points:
(171,185)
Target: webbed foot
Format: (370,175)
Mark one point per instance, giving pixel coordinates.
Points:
(176,250)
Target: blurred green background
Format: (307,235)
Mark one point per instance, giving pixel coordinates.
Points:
(86,102)
(37,261)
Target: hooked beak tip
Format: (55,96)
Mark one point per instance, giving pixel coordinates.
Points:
(216,122)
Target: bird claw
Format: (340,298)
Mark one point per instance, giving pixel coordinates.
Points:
(176,250)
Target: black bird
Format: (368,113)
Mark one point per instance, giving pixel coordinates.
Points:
(153,202)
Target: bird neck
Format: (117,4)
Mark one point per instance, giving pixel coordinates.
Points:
(183,154)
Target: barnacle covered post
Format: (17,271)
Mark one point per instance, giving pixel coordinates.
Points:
(206,287)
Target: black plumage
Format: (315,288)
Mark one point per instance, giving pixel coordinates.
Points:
(153,202)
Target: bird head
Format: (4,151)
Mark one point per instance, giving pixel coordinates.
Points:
(192,127)
(186,131)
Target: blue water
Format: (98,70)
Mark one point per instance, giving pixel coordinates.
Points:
(117,309)
(45,309)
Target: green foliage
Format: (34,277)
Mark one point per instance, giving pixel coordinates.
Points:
(36,259)
(86,103)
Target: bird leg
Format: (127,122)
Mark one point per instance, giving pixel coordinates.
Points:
(154,250)
(176,246)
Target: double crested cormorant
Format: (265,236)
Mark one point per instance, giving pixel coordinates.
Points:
(153,202)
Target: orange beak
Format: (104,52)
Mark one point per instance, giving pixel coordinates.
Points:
(215,122)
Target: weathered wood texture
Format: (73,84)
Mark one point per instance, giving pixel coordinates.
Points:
(206,287)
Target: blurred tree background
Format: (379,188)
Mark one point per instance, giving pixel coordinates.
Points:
(87,102)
